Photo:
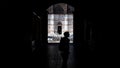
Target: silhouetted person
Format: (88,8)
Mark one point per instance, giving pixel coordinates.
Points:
(64,48)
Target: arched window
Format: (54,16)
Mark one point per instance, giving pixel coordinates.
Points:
(60,20)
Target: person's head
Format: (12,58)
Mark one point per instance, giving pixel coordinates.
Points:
(66,34)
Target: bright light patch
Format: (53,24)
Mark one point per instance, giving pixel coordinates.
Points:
(57,25)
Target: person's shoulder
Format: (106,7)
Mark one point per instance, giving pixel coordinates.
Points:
(62,37)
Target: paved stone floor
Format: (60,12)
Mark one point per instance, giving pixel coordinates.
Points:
(54,57)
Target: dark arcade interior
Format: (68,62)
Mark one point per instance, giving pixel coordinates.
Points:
(24,26)
(88,48)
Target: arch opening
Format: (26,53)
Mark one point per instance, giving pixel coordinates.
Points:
(60,20)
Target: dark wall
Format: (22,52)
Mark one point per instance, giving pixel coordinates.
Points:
(4,4)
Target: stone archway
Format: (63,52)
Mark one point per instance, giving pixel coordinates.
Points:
(60,20)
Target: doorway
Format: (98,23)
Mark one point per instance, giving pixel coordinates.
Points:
(60,20)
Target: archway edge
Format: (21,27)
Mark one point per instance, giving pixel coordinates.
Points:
(64,7)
